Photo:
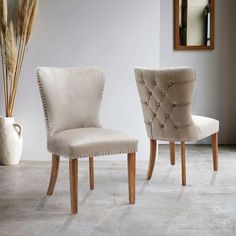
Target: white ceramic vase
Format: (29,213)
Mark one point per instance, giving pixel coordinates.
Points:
(11,142)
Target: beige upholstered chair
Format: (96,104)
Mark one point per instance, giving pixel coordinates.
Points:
(71,100)
(166,97)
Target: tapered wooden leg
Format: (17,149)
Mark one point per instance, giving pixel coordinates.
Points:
(54,173)
(131,176)
(91,173)
(73,169)
(183,163)
(152,158)
(214,141)
(172,153)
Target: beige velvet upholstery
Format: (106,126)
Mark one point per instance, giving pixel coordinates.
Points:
(84,142)
(166,96)
(71,100)
(71,97)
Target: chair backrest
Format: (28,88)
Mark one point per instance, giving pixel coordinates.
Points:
(71,97)
(166,96)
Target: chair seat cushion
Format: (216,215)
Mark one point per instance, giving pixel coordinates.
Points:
(207,126)
(84,142)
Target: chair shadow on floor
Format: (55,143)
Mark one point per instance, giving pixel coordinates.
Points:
(42,203)
(213,179)
(67,223)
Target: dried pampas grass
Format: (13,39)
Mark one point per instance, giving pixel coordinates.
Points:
(3,10)
(14,38)
(32,15)
(10,51)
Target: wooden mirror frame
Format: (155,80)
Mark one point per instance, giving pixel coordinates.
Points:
(177,45)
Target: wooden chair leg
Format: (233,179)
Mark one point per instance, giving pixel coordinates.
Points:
(152,158)
(91,173)
(214,141)
(172,153)
(131,176)
(54,173)
(183,164)
(73,169)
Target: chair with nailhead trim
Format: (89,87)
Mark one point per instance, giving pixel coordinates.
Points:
(166,97)
(71,100)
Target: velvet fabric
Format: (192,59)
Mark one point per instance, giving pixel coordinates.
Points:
(71,99)
(166,96)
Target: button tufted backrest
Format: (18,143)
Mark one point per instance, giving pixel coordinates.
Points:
(71,97)
(166,96)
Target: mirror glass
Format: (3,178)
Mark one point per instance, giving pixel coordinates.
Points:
(194,23)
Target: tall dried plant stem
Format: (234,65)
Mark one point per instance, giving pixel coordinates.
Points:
(21,54)
(4,83)
(7,93)
(20,58)
(16,75)
(3,27)
(11,105)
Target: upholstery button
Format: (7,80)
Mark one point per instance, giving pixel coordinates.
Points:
(170,83)
(164,94)
(162,126)
(158,104)
(173,105)
(154,83)
(167,115)
(149,93)
(176,126)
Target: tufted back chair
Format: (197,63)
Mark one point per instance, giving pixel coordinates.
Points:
(166,96)
(71,97)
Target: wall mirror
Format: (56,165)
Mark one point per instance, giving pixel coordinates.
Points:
(194,24)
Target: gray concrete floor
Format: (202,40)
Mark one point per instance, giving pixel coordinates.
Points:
(206,206)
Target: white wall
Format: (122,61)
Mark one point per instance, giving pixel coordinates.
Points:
(215,94)
(116,35)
